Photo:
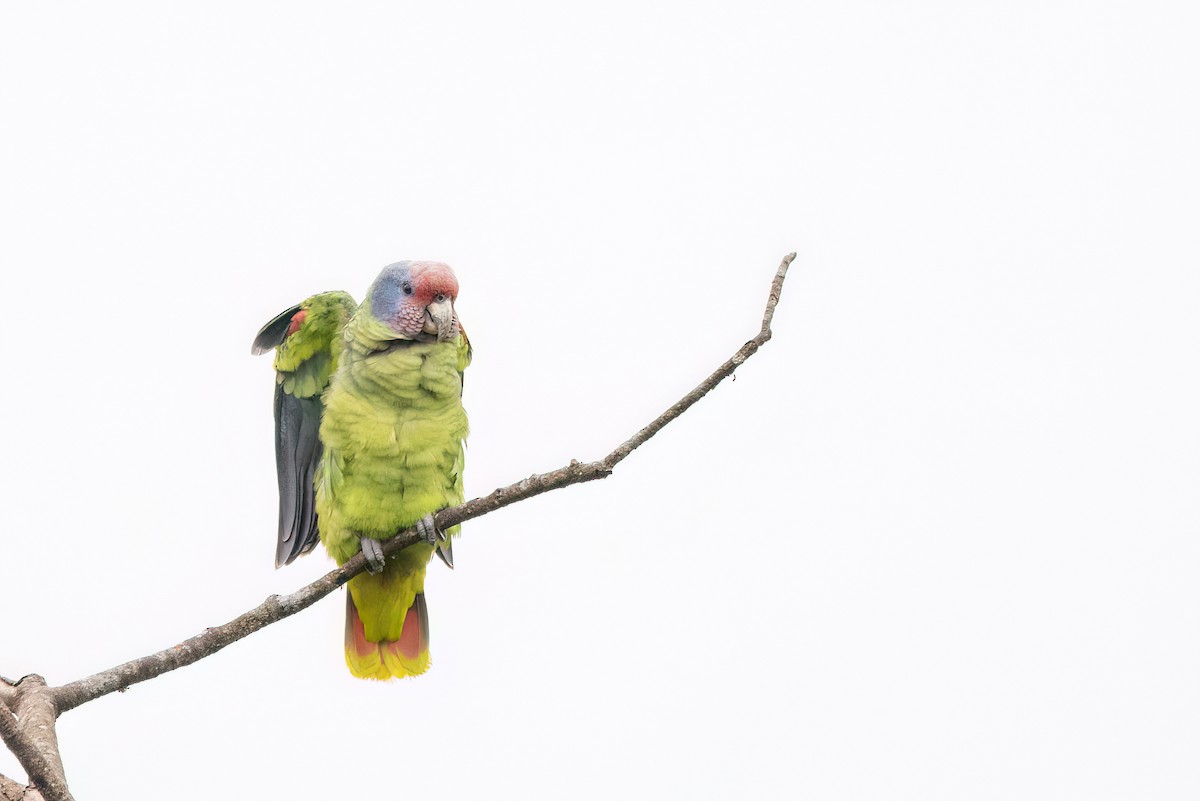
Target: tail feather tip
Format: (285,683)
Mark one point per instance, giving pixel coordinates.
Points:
(388,659)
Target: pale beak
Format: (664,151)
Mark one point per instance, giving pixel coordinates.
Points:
(439,320)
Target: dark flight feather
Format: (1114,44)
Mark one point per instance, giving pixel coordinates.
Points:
(301,378)
(297,454)
(274,332)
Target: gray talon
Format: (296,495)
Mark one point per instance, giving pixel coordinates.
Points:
(429,531)
(373,552)
(437,538)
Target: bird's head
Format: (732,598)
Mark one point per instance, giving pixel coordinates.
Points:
(415,300)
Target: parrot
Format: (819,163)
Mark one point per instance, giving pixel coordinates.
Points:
(389,453)
(307,339)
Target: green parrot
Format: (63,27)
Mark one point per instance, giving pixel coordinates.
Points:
(391,449)
(308,341)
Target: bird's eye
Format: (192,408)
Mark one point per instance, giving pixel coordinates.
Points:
(440,297)
(407,287)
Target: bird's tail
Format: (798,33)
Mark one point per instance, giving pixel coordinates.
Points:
(407,656)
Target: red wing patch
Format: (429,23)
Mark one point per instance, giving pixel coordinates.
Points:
(297,321)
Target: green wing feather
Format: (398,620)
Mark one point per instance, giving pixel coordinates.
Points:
(307,339)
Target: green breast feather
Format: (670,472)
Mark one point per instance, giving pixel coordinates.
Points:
(393,432)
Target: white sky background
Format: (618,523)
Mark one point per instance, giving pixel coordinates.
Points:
(938,541)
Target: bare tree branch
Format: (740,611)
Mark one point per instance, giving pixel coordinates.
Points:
(29,733)
(9,789)
(719,375)
(278,607)
(15,791)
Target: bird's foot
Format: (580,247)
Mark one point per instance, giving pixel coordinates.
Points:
(373,552)
(429,531)
(436,537)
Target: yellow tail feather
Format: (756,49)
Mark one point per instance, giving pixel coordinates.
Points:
(407,656)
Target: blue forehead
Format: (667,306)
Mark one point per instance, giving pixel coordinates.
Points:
(385,292)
